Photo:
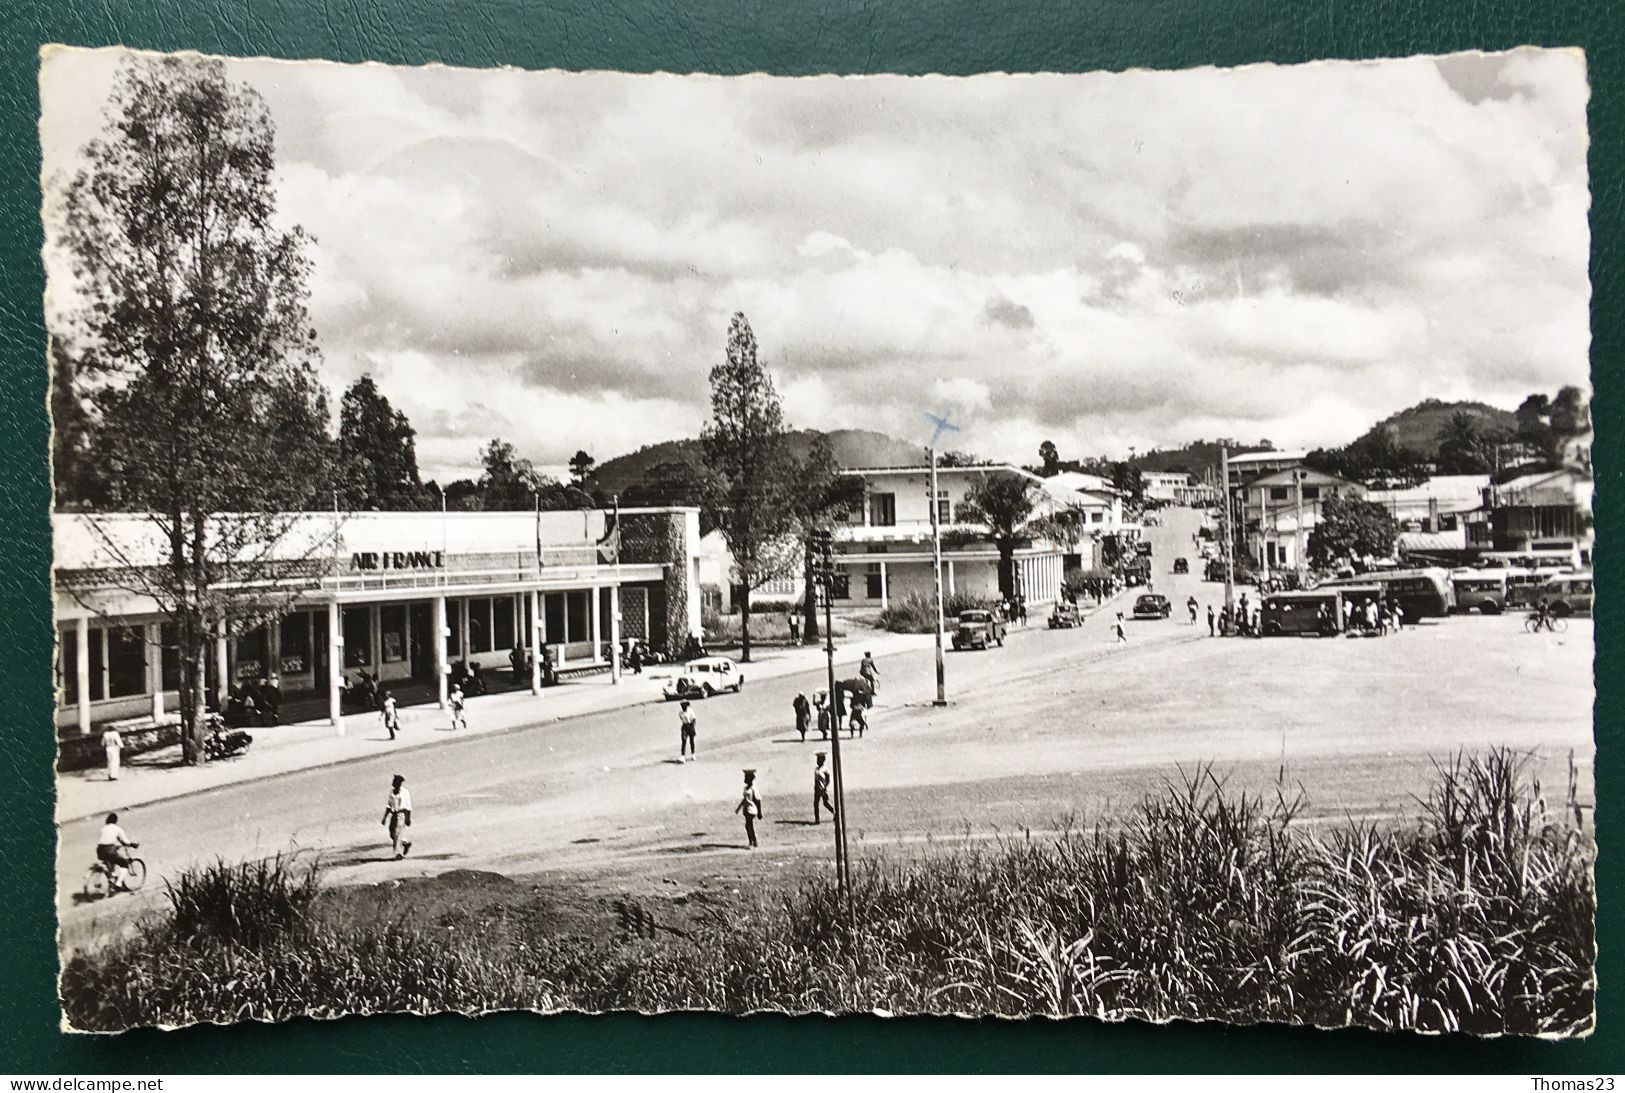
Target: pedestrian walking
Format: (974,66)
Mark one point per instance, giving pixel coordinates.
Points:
(398,816)
(455,702)
(1211,632)
(821,788)
(795,627)
(1021,609)
(825,719)
(751,805)
(870,671)
(1122,635)
(858,723)
(803,710)
(391,716)
(113,748)
(634,657)
(1399,616)
(1190,605)
(688,732)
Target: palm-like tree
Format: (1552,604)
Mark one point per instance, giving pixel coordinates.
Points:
(1003,504)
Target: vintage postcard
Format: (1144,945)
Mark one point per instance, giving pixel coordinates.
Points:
(1112,545)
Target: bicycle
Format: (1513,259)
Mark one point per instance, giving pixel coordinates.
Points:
(99,878)
(1534,623)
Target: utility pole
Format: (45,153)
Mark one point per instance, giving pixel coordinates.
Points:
(1229,535)
(936,571)
(824,571)
(1297,534)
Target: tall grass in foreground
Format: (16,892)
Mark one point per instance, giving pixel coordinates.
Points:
(1203,904)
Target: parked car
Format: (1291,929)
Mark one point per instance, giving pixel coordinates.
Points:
(978,630)
(1181,565)
(1152,606)
(1065,616)
(704,677)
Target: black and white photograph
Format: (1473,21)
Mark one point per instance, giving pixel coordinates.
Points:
(1112,546)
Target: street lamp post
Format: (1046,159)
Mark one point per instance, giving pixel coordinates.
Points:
(824,573)
(936,570)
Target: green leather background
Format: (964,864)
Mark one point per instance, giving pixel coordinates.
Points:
(727,36)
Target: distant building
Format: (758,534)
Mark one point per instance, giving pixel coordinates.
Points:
(884,545)
(1164,486)
(1550,510)
(1452,504)
(1248,466)
(1279,510)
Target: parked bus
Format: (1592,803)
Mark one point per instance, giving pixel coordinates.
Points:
(1423,593)
(1317,611)
(1567,593)
(1485,589)
(1551,558)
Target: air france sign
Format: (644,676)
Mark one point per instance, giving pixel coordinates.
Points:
(372,561)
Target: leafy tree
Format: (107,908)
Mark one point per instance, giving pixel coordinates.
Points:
(1051,457)
(510,482)
(750,488)
(378,455)
(1545,423)
(1351,529)
(1003,504)
(1128,478)
(822,493)
(957,458)
(76,471)
(1468,445)
(581,465)
(197,356)
(1375,458)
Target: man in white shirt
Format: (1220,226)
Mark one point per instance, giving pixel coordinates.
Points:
(398,816)
(392,717)
(113,850)
(688,727)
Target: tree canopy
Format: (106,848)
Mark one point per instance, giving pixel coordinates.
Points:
(750,485)
(1003,504)
(377,452)
(194,352)
(1351,529)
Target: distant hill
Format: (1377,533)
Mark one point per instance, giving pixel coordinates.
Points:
(1199,457)
(1420,427)
(853,448)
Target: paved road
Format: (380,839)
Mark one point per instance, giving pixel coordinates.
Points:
(1058,722)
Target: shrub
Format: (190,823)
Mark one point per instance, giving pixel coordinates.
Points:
(916,613)
(1201,904)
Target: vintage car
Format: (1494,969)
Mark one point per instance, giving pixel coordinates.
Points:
(1181,565)
(704,677)
(1152,606)
(978,630)
(1065,616)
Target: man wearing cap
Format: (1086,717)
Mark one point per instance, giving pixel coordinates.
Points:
(751,805)
(398,816)
(821,788)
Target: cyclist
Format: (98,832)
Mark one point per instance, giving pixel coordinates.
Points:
(113,851)
(1543,614)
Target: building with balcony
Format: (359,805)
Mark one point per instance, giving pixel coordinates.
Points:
(1280,510)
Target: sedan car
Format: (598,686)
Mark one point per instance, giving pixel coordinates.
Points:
(1152,606)
(978,630)
(1181,565)
(1065,616)
(705,677)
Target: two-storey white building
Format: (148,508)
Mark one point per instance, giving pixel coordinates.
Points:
(885,543)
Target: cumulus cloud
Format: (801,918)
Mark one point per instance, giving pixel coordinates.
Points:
(1099,260)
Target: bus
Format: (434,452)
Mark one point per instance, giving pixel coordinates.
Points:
(1423,593)
(1317,611)
(1567,593)
(1485,589)
(1551,558)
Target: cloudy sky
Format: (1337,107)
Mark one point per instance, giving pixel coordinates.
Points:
(1103,260)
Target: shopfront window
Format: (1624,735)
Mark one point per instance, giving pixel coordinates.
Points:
(169,657)
(553,617)
(98,664)
(454,623)
(126,661)
(295,658)
(479,626)
(502,623)
(357,624)
(67,668)
(392,632)
(580,627)
(252,651)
